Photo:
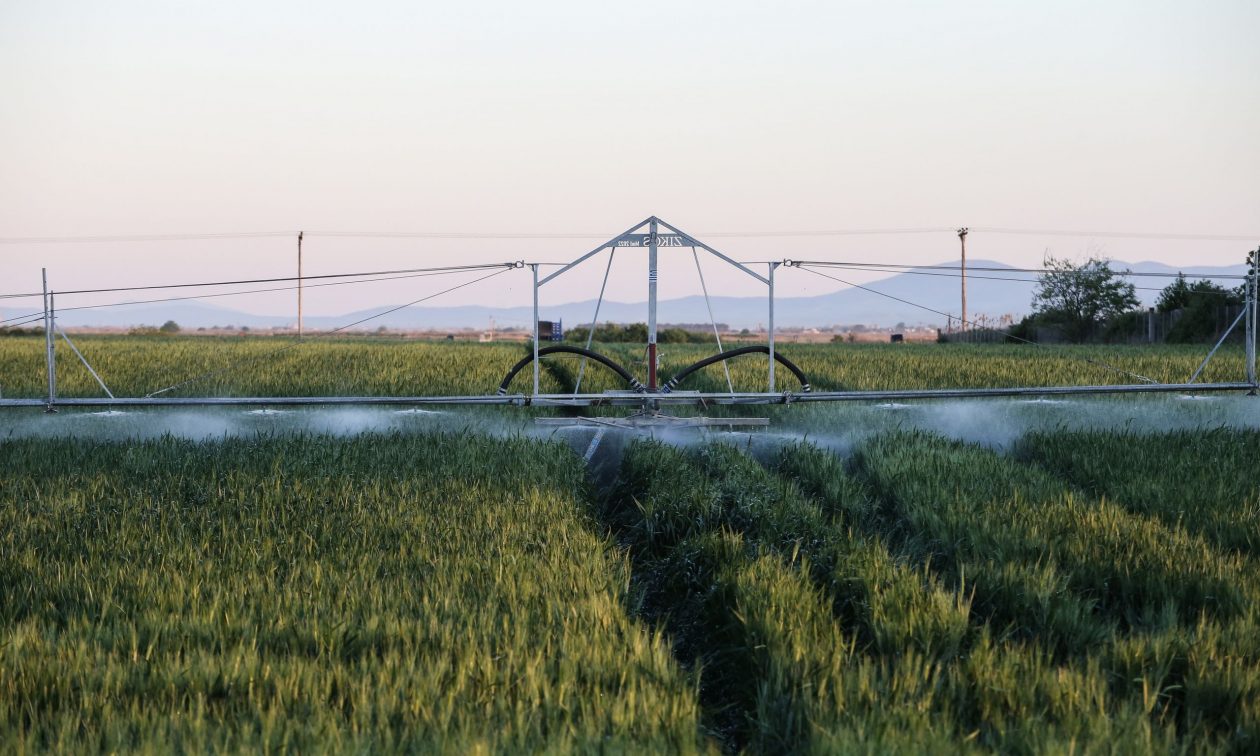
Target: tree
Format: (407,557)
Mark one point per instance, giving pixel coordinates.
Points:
(1175,295)
(1078,298)
(1200,304)
(612,333)
(170,326)
(1241,290)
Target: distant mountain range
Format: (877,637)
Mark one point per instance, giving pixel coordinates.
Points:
(935,292)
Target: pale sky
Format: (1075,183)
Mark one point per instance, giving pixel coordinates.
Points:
(575,117)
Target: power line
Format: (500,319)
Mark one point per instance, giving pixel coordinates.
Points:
(449,268)
(1013,270)
(959,275)
(22,320)
(882,267)
(802,265)
(1118,234)
(597,235)
(299,342)
(922,270)
(454,235)
(98,238)
(9,323)
(107,239)
(112,238)
(831,232)
(1099,363)
(239,293)
(928,270)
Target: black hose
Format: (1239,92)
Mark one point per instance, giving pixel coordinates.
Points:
(564,349)
(778,357)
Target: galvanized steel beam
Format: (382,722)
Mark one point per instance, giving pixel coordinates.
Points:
(631,399)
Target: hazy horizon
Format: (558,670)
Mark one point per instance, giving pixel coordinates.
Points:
(137,118)
(905,300)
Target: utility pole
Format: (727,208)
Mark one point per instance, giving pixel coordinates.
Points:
(299,284)
(962,238)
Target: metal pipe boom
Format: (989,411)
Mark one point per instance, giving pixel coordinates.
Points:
(632,399)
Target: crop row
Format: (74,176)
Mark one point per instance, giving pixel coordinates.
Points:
(456,592)
(1178,614)
(1205,481)
(938,597)
(136,366)
(383,593)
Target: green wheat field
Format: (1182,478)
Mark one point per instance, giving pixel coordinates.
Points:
(447,588)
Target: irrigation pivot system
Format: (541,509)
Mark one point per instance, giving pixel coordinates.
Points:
(651,237)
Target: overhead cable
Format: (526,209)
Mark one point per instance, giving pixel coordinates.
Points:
(113,238)
(198,284)
(885,267)
(22,320)
(1117,234)
(945,274)
(1039,271)
(247,291)
(300,341)
(1099,363)
(108,238)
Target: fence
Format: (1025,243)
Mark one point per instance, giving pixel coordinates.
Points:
(974,336)
(1157,327)
(1137,327)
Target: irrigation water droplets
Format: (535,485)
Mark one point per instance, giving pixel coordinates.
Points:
(994,423)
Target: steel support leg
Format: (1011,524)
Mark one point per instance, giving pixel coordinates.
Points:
(50,347)
(1251,330)
(770,333)
(534,266)
(652,275)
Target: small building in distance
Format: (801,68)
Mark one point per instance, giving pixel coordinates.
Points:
(551,330)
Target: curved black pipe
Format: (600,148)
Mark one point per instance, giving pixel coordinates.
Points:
(778,357)
(564,349)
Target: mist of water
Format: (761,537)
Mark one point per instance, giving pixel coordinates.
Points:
(995,423)
(210,423)
(1000,423)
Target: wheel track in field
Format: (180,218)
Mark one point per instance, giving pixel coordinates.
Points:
(612,494)
(729,702)
(692,576)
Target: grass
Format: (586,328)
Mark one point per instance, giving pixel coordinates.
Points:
(251,366)
(1203,481)
(1091,592)
(397,593)
(1169,618)
(979,512)
(454,592)
(816,634)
